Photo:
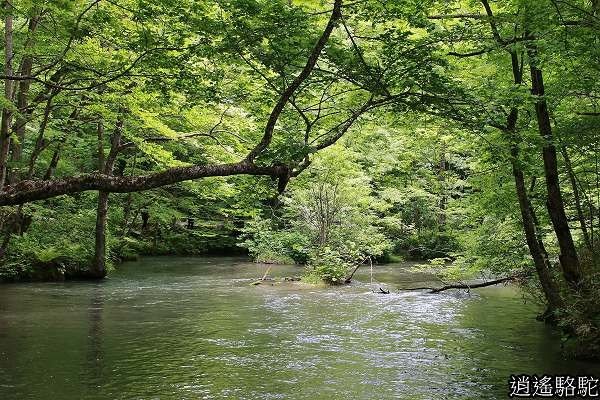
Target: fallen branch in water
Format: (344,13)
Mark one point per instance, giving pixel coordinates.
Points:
(266,273)
(276,280)
(465,286)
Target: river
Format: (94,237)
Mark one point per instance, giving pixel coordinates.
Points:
(194,328)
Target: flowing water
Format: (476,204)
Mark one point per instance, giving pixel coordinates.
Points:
(194,328)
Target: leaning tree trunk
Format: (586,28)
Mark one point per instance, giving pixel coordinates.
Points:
(576,197)
(529,220)
(540,260)
(555,205)
(534,243)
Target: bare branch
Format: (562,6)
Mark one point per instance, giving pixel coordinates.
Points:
(467,286)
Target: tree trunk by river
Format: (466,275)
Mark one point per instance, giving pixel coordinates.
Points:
(98,269)
(568,254)
(576,198)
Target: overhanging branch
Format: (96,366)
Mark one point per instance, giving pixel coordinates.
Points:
(31,190)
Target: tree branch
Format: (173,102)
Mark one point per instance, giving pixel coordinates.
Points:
(31,190)
(289,91)
(468,287)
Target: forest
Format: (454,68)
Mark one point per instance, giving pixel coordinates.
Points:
(462,136)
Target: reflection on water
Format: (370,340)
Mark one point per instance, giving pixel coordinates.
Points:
(191,328)
(93,368)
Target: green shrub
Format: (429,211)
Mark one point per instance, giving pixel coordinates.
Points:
(58,243)
(326,266)
(268,245)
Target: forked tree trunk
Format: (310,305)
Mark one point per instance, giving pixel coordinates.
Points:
(98,268)
(532,237)
(568,254)
(529,220)
(538,253)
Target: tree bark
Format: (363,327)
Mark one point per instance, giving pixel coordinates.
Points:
(98,268)
(569,259)
(529,220)
(32,190)
(53,163)
(540,260)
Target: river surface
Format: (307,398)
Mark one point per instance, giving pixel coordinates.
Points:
(194,328)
